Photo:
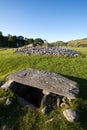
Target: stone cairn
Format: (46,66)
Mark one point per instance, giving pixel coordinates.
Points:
(56,51)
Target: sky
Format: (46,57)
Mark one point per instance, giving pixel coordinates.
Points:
(52,20)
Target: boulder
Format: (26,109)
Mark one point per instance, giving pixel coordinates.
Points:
(71,115)
(48,81)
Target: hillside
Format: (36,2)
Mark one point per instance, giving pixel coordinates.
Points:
(78,43)
(72,43)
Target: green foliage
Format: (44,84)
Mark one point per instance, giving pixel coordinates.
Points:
(18,41)
(29,41)
(38,41)
(21,118)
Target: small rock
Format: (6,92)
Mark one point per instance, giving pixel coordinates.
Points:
(48,121)
(45,92)
(43,101)
(8,101)
(44,110)
(71,115)
(63,104)
(64,99)
(59,117)
(58,102)
(7,84)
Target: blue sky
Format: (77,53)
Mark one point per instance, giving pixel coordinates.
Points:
(47,19)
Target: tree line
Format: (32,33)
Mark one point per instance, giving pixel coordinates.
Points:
(18,41)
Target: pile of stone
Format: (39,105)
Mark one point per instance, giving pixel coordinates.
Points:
(47,51)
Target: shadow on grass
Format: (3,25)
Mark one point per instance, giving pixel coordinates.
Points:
(83,86)
(10,115)
(82,101)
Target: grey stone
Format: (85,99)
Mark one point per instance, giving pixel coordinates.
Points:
(58,102)
(48,121)
(63,104)
(44,100)
(59,117)
(7,84)
(48,81)
(64,99)
(71,115)
(44,110)
(45,92)
(8,101)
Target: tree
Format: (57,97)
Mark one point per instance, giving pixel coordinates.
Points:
(1,33)
(45,41)
(38,41)
(20,41)
(12,41)
(29,41)
(3,40)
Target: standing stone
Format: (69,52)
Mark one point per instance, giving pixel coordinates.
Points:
(71,115)
(58,102)
(43,101)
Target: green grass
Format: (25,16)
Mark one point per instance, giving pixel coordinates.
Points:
(78,43)
(74,68)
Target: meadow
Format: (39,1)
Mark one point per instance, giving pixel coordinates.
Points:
(21,118)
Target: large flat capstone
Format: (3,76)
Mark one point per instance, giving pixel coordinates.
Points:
(47,81)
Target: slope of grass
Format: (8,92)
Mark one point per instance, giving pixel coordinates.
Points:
(21,118)
(78,43)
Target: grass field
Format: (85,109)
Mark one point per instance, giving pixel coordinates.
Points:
(74,68)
